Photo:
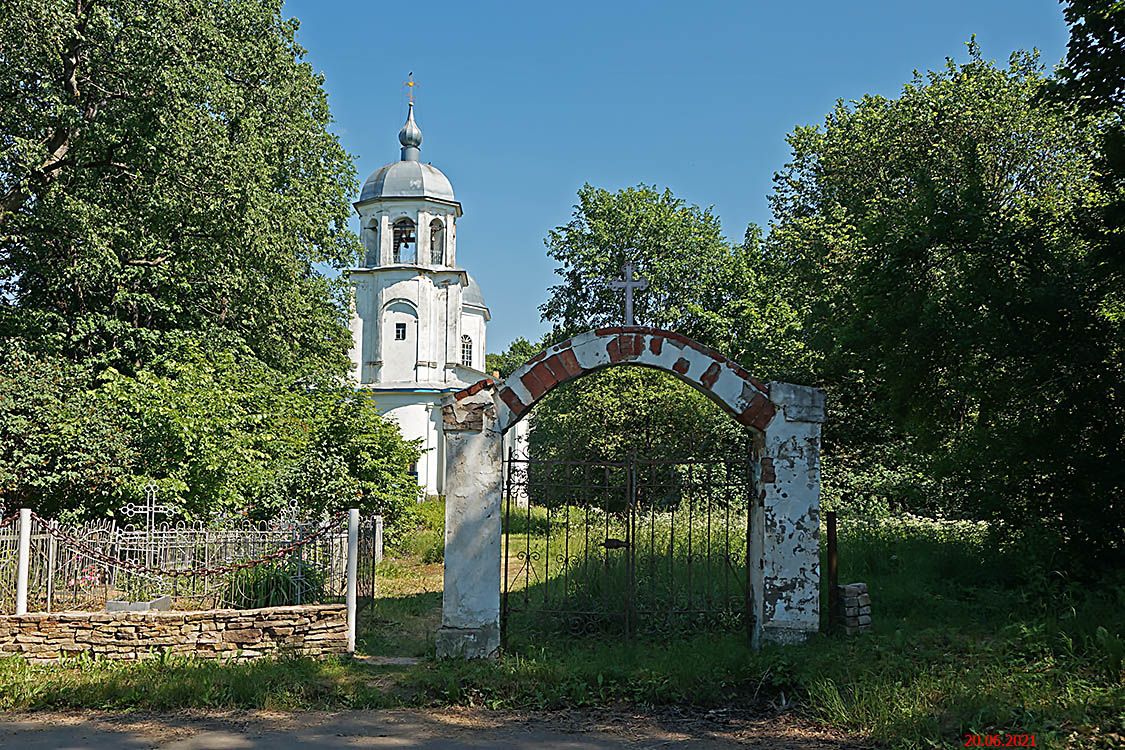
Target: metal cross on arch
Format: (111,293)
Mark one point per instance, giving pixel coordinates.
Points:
(629,284)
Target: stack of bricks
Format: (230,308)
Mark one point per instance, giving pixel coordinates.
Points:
(854,607)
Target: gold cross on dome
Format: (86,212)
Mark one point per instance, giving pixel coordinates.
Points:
(409,83)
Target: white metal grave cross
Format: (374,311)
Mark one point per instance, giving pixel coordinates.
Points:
(149,510)
(628,284)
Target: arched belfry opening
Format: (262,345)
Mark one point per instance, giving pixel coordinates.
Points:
(405,242)
(778,492)
(437,242)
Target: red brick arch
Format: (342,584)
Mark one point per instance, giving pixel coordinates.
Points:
(724,381)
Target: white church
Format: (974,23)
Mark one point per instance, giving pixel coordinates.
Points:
(419,320)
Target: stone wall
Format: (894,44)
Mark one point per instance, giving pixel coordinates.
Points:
(312,630)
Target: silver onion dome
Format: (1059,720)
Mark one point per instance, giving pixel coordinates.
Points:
(409,177)
(410,137)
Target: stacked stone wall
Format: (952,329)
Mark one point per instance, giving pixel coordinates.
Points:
(239,634)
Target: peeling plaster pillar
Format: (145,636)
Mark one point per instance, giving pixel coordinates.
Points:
(786,522)
(470,608)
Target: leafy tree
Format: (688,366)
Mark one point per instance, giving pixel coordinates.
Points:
(167,166)
(57,438)
(518,352)
(698,286)
(692,272)
(620,411)
(168,184)
(1094,72)
(1093,79)
(932,247)
(217,432)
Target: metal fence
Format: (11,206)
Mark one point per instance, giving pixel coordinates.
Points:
(625,547)
(235,564)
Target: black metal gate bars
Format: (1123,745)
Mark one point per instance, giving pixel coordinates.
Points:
(629,547)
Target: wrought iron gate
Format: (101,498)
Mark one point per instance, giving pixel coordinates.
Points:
(630,547)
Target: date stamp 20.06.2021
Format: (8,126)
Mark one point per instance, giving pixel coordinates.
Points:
(999,740)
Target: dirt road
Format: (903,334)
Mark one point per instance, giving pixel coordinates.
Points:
(412,730)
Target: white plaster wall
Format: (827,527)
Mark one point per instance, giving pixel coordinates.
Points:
(473,325)
(400,356)
(419,418)
(789,605)
(355,353)
(470,612)
(377,297)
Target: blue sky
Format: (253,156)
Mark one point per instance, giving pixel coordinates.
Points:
(520,104)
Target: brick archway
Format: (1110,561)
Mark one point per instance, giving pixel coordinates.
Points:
(724,381)
(784,545)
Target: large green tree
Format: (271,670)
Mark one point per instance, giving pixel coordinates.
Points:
(933,246)
(620,412)
(167,166)
(698,286)
(693,273)
(518,352)
(1093,80)
(168,187)
(216,429)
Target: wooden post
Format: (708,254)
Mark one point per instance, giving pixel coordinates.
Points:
(22,567)
(833,572)
(353,561)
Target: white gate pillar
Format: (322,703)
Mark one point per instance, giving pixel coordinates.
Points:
(470,607)
(785,528)
(22,564)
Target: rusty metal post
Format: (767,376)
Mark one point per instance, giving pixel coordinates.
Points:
(833,571)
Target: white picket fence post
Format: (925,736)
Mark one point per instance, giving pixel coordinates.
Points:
(22,568)
(353,564)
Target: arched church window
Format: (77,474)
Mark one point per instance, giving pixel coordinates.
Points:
(467,351)
(437,242)
(405,242)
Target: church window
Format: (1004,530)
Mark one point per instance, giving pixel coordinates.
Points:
(405,242)
(400,331)
(466,351)
(437,242)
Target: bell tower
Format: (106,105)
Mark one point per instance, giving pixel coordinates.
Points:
(419,320)
(407,210)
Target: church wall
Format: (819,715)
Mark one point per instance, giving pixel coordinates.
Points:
(383,296)
(419,418)
(400,356)
(473,325)
(452,344)
(355,327)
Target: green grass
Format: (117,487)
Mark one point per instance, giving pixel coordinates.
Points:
(173,683)
(967,638)
(407,611)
